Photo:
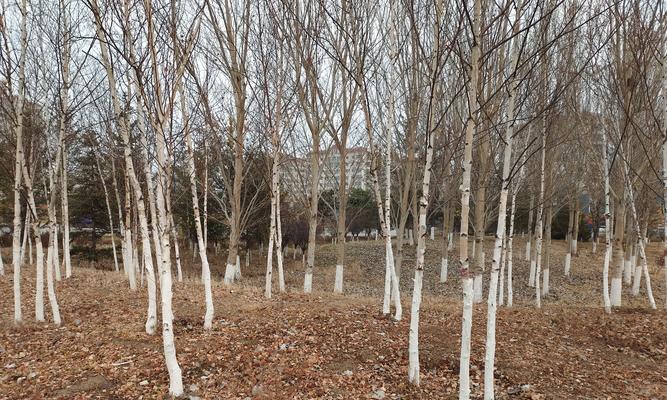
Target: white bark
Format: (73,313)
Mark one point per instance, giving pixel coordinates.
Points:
(663,95)
(201,247)
(627,268)
(478,290)
(237,270)
(530,224)
(64,198)
(272,224)
(637,278)
(501,278)
(539,219)
(338,281)
(106,200)
(120,116)
(638,232)
(444,261)
(489,358)
(466,278)
(413,342)
(279,245)
(177,251)
(18,163)
(39,295)
(607,216)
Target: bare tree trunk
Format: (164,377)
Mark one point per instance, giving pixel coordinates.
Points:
(663,95)
(39,299)
(64,198)
(279,243)
(272,228)
(413,346)
(106,200)
(151,319)
(121,225)
(466,276)
(619,256)
(342,210)
(642,251)
(547,251)
(540,219)
(608,224)
(235,218)
(18,162)
(312,219)
(444,258)
(577,216)
(530,225)
(201,246)
(568,254)
(489,358)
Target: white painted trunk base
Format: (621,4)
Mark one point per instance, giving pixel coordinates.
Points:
(237,271)
(443,269)
(527,251)
(338,283)
(230,271)
(39,294)
(531,276)
(636,283)
(545,281)
(308,282)
(432,233)
(501,282)
(466,330)
(413,339)
(627,272)
(478,290)
(568,260)
(489,355)
(616,290)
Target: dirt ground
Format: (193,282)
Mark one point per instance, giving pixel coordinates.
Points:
(327,346)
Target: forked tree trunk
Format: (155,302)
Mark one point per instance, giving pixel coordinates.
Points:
(391,289)
(39,296)
(151,319)
(121,224)
(642,251)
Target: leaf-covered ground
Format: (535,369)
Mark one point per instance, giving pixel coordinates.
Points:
(336,347)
